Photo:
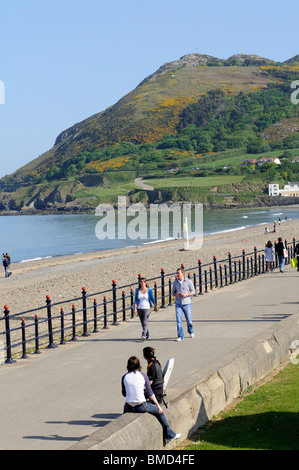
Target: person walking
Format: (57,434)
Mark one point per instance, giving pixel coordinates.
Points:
(279,249)
(183,290)
(144,300)
(133,383)
(154,372)
(269,256)
(6,263)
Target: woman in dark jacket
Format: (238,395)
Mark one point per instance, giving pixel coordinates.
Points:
(279,247)
(154,372)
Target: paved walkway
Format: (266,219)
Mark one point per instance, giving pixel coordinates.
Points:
(52,400)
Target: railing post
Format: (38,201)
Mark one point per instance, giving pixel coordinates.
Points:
(169,292)
(220,275)
(123,305)
(206,281)
(211,278)
(200,277)
(230,267)
(155,291)
(62,341)
(9,360)
(132,301)
(255,261)
(105,312)
(243,262)
(24,355)
(235,270)
(85,332)
(225,274)
(37,351)
(95,319)
(115,322)
(50,330)
(215,271)
(163,288)
(74,338)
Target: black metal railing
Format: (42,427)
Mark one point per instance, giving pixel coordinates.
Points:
(55,323)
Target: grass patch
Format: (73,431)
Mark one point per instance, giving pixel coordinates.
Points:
(266,418)
(195,182)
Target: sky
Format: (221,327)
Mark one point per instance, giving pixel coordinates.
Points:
(62,61)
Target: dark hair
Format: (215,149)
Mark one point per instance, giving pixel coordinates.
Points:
(269,244)
(143,279)
(133,364)
(280,239)
(148,353)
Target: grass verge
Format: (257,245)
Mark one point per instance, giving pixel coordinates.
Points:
(266,417)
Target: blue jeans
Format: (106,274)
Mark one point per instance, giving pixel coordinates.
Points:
(147,407)
(282,261)
(179,310)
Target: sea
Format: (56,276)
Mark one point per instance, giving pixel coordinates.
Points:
(36,237)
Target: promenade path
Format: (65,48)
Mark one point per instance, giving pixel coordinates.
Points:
(52,400)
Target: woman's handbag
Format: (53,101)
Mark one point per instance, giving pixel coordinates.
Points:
(294,262)
(285,253)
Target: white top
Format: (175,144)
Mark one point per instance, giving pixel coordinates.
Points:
(143,301)
(134,384)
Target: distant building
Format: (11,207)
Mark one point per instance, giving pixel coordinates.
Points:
(261,161)
(289,190)
(273,190)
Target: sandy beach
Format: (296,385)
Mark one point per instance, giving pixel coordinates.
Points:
(63,277)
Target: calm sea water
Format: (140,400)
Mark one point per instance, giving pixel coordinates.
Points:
(40,236)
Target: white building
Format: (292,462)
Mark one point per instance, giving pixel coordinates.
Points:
(273,190)
(289,190)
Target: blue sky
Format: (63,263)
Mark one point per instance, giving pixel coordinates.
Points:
(63,61)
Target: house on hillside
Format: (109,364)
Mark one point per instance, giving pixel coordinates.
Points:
(289,190)
(261,161)
(276,160)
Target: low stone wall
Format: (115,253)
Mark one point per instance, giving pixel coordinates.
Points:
(190,403)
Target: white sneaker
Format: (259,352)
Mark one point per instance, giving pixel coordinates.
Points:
(192,335)
(179,339)
(177,436)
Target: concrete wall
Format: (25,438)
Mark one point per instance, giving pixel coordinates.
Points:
(193,402)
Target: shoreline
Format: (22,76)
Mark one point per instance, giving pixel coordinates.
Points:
(63,277)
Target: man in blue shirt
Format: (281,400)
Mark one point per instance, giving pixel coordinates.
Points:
(183,290)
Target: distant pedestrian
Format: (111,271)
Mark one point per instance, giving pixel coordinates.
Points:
(6,263)
(144,300)
(269,256)
(183,290)
(134,383)
(279,249)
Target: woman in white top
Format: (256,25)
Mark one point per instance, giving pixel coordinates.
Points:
(269,256)
(144,300)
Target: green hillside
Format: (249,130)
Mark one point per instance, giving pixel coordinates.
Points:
(190,112)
